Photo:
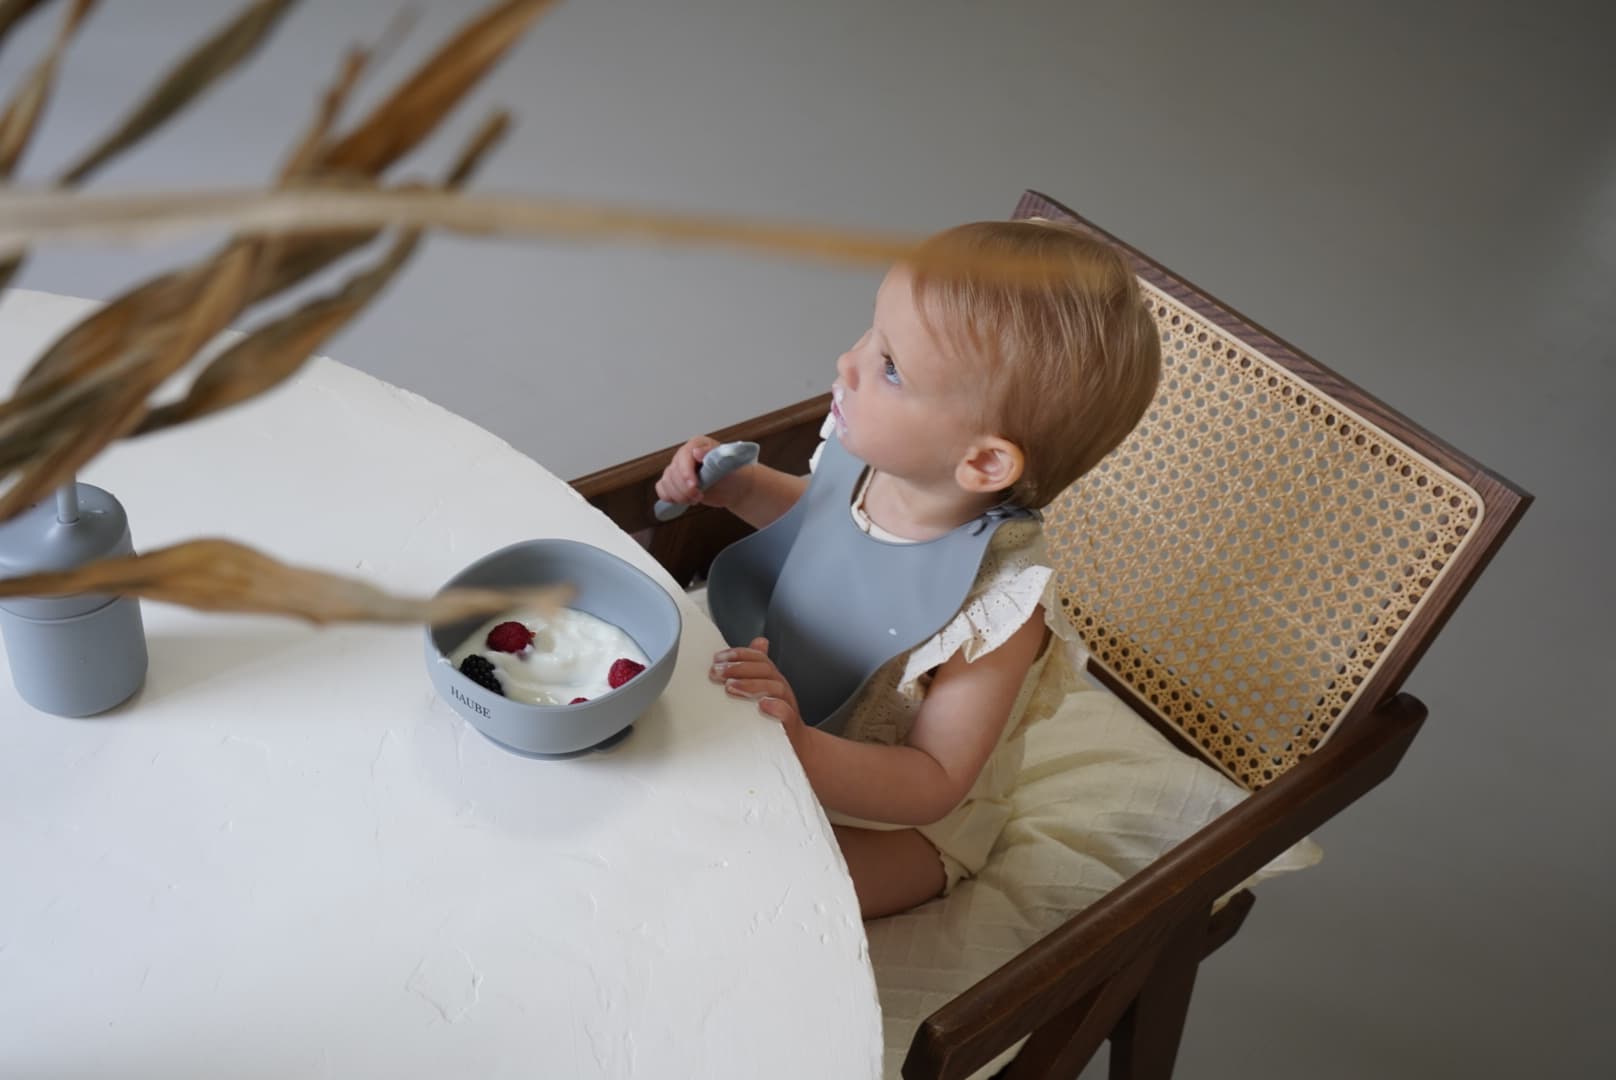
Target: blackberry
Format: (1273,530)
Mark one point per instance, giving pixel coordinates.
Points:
(480,670)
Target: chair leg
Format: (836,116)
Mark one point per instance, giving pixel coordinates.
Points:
(1144,1045)
(1227,922)
(1062,1046)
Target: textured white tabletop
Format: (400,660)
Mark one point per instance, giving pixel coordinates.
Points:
(285,857)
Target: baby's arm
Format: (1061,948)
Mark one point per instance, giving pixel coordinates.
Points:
(757,494)
(958,726)
(763,494)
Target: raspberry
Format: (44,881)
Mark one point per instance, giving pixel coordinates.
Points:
(480,670)
(511,637)
(622,671)
(577,701)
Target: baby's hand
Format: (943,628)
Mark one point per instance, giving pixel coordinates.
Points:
(679,482)
(749,673)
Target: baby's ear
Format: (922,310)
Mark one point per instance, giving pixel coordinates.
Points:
(991,464)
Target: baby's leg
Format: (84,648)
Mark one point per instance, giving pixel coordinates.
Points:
(892,870)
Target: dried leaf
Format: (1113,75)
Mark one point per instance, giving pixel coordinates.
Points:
(313,145)
(22,112)
(488,135)
(77,354)
(394,128)
(96,355)
(220,575)
(30,432)
(316,142)
(201,68)
(415,109)
(274,352)
(304,157)
(70,357)
(13,12)
(299,257)
(397,29)
(222,296)
(98,341)
(418,105)
(93,385)
(291,260)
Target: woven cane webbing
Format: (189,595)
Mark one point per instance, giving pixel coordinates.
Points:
(1246,557)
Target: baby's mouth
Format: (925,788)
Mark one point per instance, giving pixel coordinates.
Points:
(836,413)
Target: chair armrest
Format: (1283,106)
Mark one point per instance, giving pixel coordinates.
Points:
(1154,905)
(686,546)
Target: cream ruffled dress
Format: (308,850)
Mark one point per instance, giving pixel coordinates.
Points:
(1015,578)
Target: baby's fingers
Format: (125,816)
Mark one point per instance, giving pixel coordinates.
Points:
(690,458)
(779,709)
(689,475)
(742,669)
(677,484)
(681,481)
(730,656)
(753,689)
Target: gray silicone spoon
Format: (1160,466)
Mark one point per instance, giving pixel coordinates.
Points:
(720,461)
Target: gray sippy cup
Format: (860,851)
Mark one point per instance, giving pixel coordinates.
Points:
(71,655)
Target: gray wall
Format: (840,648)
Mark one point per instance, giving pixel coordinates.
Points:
(1424,199)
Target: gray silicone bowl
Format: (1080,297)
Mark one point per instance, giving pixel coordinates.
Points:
(609,589)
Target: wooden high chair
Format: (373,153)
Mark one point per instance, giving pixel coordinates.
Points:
(1255,571)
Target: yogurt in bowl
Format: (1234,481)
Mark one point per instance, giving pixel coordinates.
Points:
(608,590)
(568,655)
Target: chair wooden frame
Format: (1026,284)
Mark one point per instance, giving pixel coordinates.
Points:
(1124,968)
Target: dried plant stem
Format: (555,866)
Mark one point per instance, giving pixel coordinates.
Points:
(220,575)
(48,217)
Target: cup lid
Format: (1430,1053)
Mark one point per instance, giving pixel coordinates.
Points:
(36,542)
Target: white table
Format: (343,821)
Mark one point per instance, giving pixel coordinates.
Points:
(286,858)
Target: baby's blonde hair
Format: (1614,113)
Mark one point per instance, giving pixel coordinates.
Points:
(1066,363)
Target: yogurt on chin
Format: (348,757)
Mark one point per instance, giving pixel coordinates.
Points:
(571,654)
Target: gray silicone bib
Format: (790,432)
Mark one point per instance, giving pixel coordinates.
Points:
(835,603)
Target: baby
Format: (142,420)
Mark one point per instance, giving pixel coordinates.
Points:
(896,611)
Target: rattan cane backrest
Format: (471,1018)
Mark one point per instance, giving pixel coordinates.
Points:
(1248,562)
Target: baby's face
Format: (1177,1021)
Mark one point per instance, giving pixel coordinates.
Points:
(903,404)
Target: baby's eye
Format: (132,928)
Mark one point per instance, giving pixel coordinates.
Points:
(890,370)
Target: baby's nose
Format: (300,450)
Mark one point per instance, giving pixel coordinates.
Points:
(847,370)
